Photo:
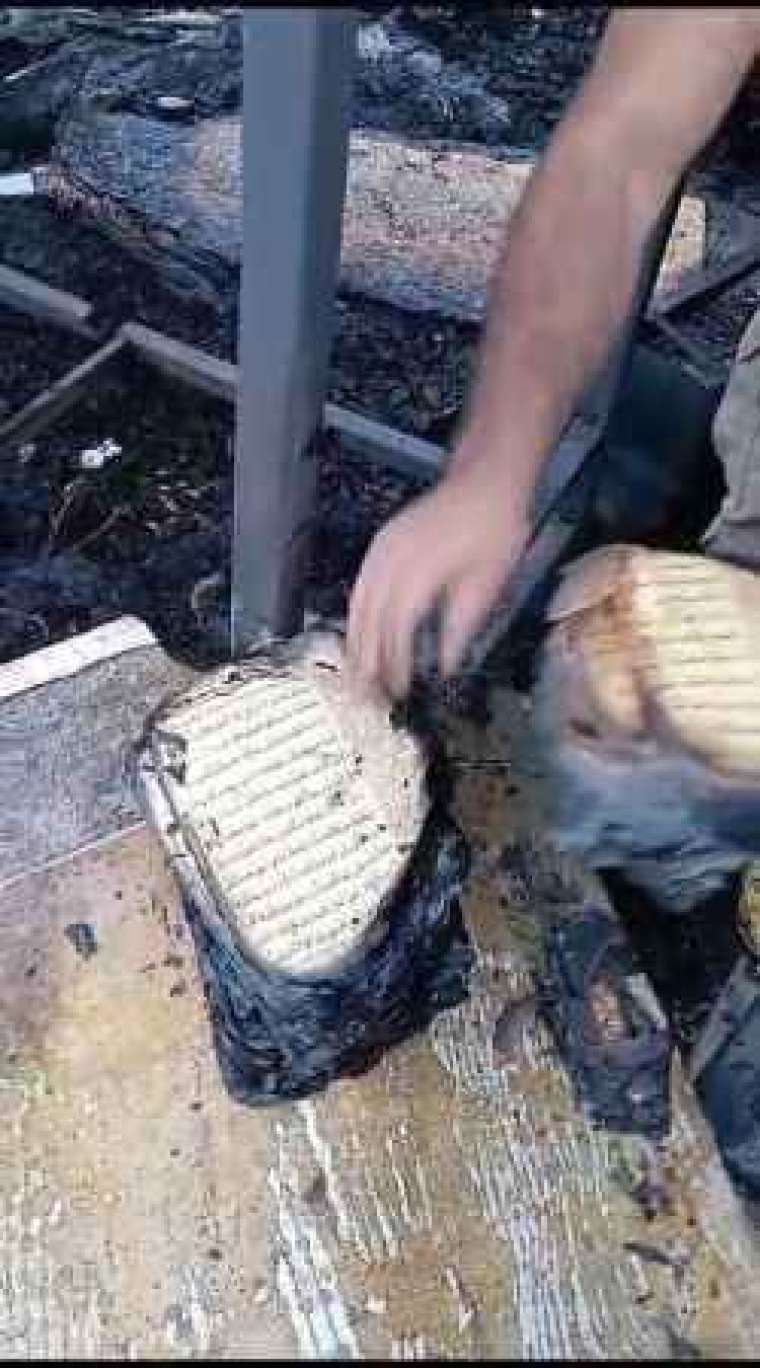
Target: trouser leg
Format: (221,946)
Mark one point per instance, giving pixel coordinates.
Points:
(734,535)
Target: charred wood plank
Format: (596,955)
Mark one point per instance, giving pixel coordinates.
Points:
(27,295)
(373,441)
(362,436)
(183,362)
(706,283)
(41,411)
(423,223)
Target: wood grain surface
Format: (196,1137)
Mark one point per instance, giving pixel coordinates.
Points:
(454,1202)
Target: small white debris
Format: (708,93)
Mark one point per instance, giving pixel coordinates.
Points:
(16,183)
(173,104)
(426,63)
(26,452)
(376,1306)
(372,42)
(94,458)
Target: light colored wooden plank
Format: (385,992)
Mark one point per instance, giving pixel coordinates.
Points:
(133,1195)
(450,1203)
(68,657)
(65,740)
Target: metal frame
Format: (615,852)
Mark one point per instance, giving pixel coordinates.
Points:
(297,67)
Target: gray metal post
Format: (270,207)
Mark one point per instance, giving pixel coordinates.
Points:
(297,66)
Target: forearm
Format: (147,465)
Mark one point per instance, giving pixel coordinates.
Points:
(566,281)
(662,80)
(560,297)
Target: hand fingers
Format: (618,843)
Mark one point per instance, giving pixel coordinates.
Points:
(403,614)
(465,609)
(385,608)
(356,625)
(366,613)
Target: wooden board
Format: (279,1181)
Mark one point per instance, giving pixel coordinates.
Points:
(59,397)
(452,1203)
(70,715)
(358,434)
(423,221)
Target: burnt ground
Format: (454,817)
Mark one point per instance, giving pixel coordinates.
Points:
(150,532)
(139,534)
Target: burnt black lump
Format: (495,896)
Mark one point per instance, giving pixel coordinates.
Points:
(615,1047)
(82,937)
(280,1036)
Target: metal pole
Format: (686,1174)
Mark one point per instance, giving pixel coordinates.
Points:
(297,66)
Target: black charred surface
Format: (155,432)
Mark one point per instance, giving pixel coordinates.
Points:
(281,1036)
(82,937)
(687,957)
(622,1078)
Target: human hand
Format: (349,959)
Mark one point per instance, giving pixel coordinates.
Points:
(454,549)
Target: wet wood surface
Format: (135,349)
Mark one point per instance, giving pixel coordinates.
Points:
(454,1202)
